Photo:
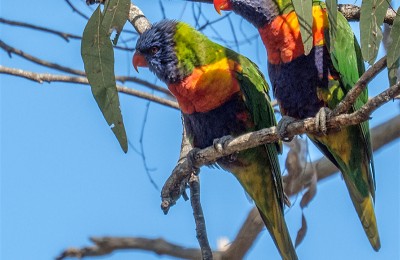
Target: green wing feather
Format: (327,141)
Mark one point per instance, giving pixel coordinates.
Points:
(257,99)
(347,60)
(255,94)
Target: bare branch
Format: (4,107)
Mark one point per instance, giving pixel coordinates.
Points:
(46,77)
(76,10)
(64,35)
(201,233)
(352,13)
(352,95)
(9,49)
(138,20)
(106,245)
(246,236)
(380,135)
(349,11)
(267,135)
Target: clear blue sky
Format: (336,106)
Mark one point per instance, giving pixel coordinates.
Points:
(64,177)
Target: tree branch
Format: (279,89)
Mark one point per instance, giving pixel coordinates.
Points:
(64,35)
(246,236)
(47,77)
(267,135)
(106,245)
(201,233)
(349,11)
(361,84)
(9,49)
(352,13)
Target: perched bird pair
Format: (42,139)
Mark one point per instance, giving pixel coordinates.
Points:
(223,93)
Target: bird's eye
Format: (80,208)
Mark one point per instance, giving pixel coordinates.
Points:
(154,50)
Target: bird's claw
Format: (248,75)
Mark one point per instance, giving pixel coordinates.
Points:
(191,158)
(320,119)
(282,128)
(221,143)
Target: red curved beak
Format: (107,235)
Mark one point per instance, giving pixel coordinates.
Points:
(138,60)
(222,5)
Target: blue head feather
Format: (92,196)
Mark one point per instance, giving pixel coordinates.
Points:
(257,12)
(157,46)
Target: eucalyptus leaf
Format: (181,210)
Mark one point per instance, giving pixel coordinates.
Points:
(393,53)
(115,15)
(98,58)
(331,6)
(303,9)
(372,14)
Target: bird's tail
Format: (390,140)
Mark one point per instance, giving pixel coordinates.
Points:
(276,226)
(364,206)
(258,179)
(348,151)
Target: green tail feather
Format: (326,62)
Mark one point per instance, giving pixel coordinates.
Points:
(347,151)
(258,179)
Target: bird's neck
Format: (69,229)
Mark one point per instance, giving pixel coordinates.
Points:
(261,12)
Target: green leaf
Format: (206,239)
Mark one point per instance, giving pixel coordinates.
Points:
(372,14)
(393,72)
(331,5)
(303,10)
(98,58)
(393,52)
(115,15)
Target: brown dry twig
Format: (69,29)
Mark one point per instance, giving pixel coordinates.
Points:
(349,11)
(11,50)
(47,77)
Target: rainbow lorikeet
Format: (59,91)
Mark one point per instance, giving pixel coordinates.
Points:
(221,92)
(308,86)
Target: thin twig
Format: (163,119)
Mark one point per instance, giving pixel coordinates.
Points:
(106,245)
(46,77)
(201,232)
(246,236)
(64,35)
(352,95)
(76,10)
(349,11)
(11,50)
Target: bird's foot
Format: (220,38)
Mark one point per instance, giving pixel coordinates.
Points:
(282,128)
(221,143)
(191,158)
(320,119)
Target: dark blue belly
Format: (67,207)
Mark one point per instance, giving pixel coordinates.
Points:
(295,84)
(203,128)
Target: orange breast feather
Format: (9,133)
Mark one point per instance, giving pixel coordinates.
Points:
(207,87)
(282,37)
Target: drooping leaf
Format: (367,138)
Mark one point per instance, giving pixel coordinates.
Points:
(372,14)
(98,58)
(303,10)
(393,52)
(331,5)
(302,231)
(115,15)
(394,73)
(311,191)
(295,163)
